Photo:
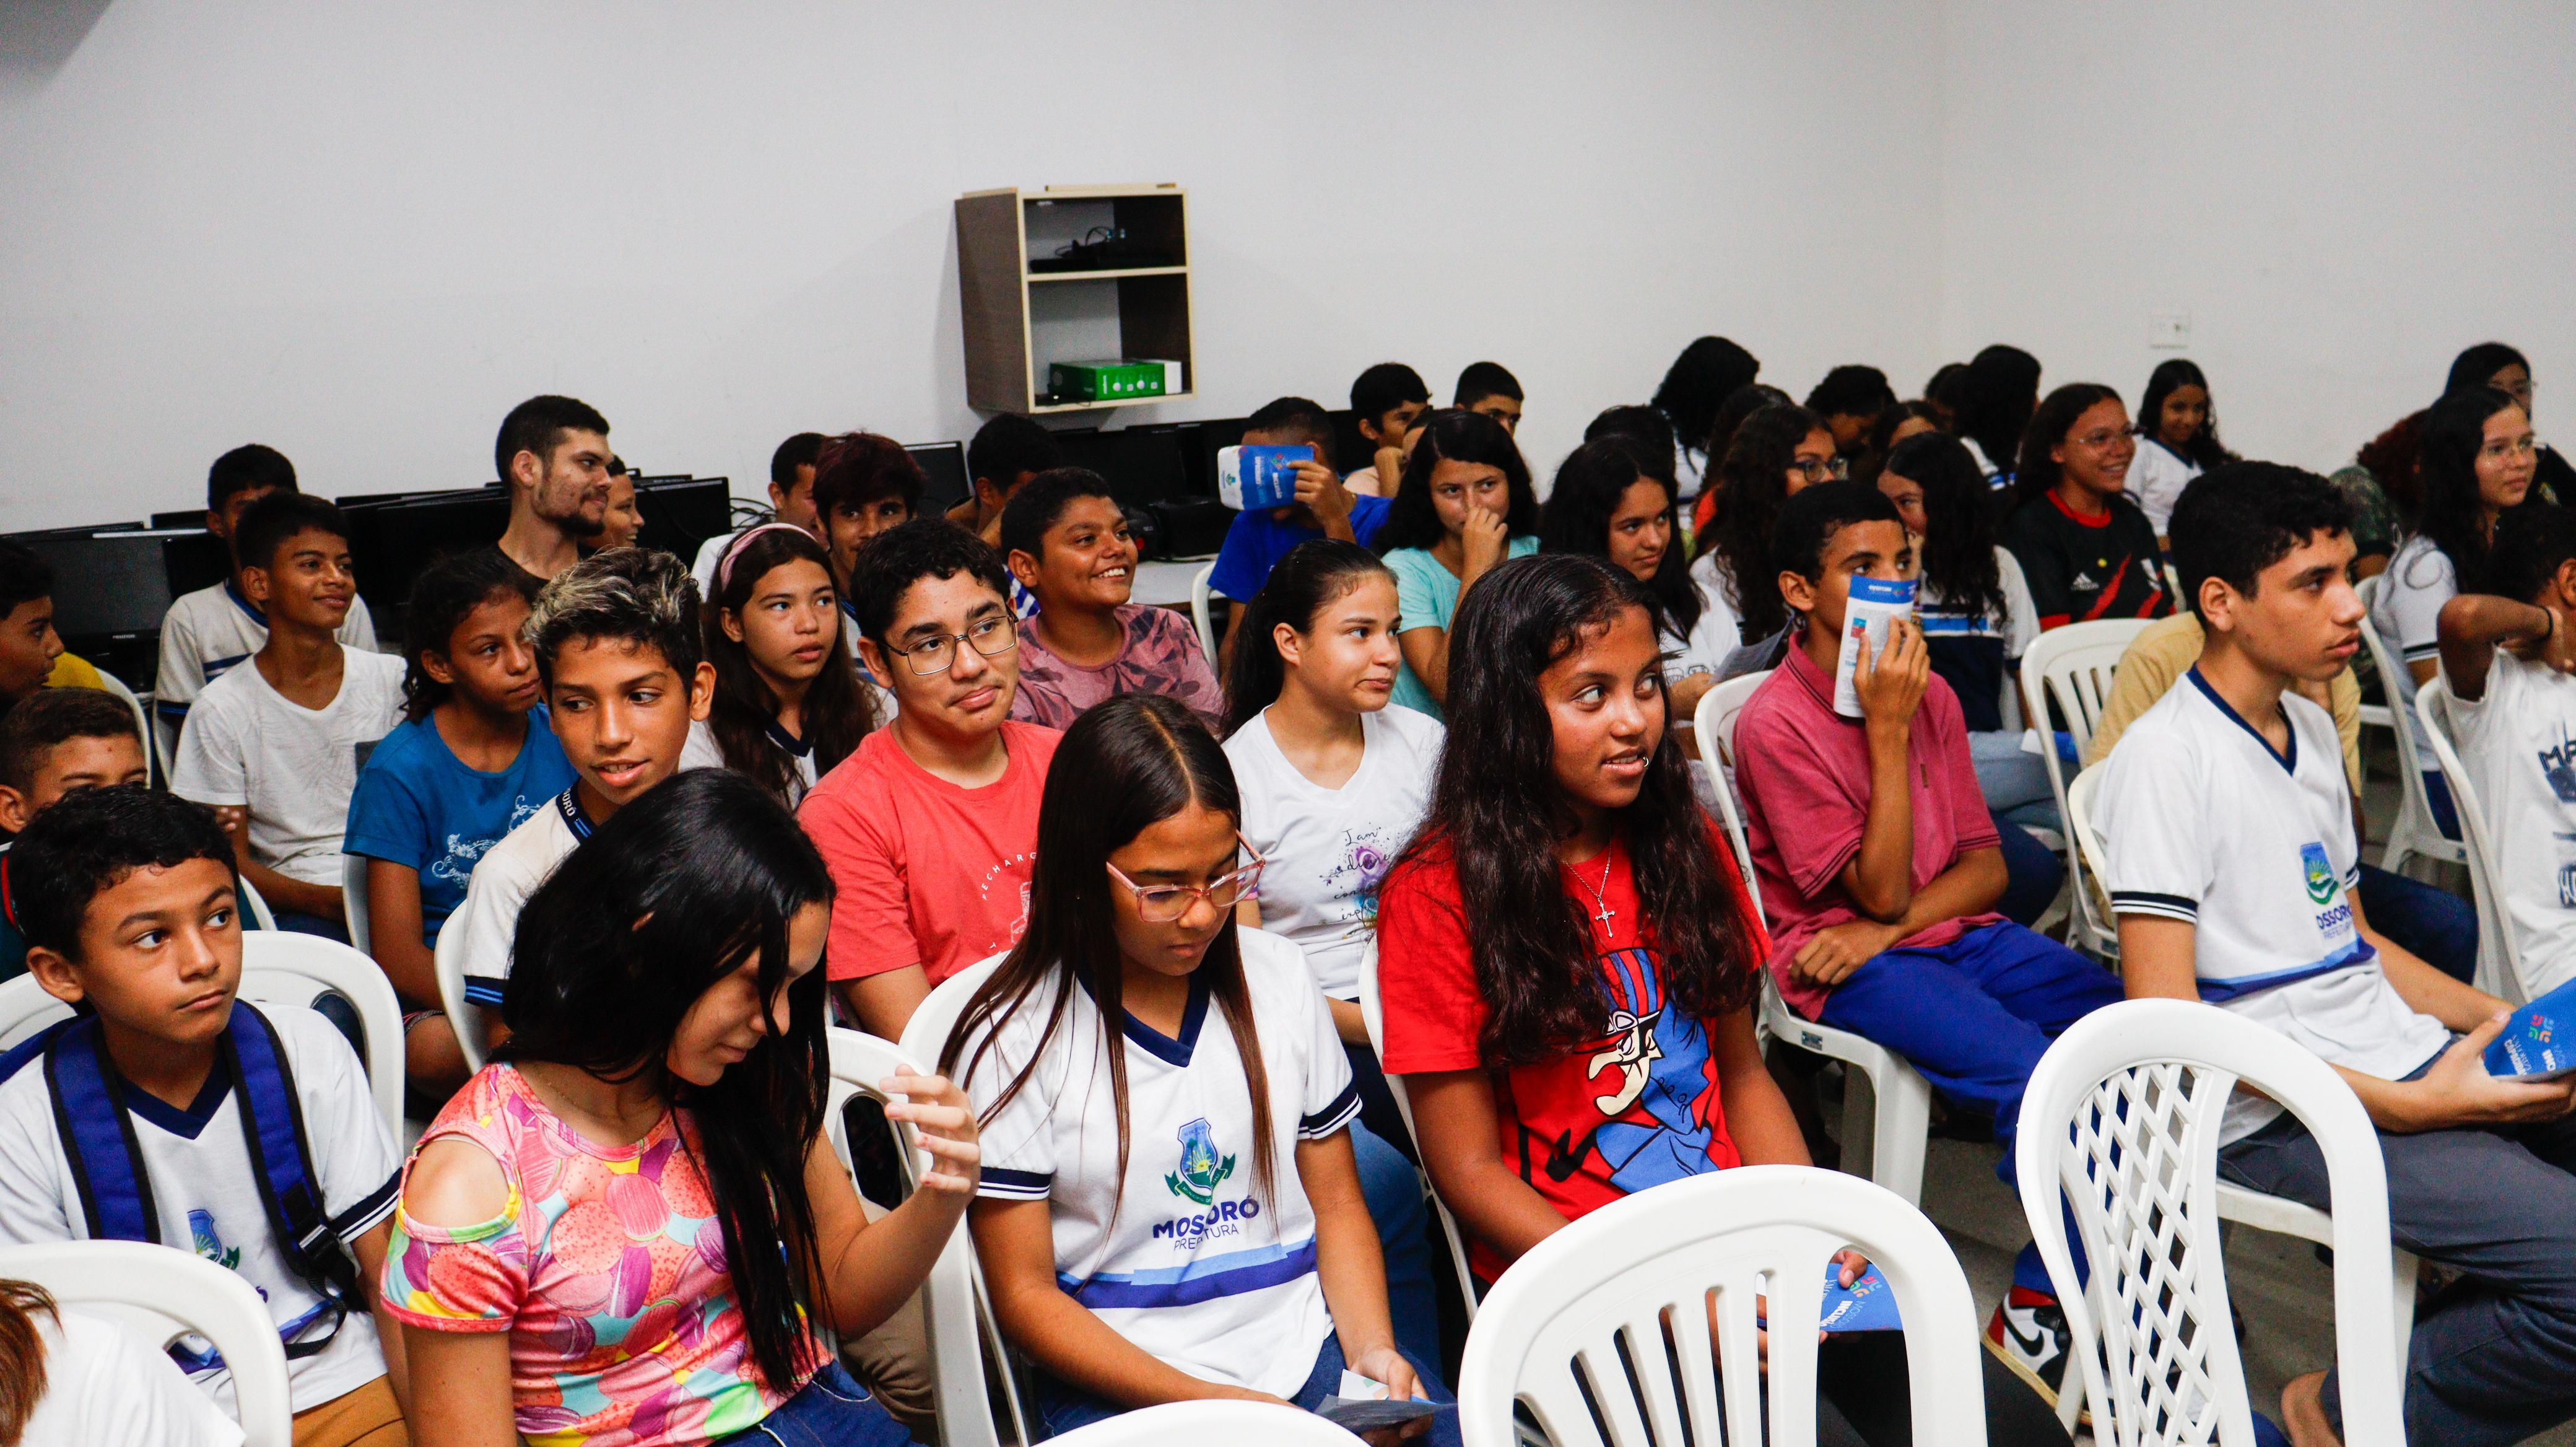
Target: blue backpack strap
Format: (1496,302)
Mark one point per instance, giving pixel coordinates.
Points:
(17,1057)
(272,1120)
(98,1138)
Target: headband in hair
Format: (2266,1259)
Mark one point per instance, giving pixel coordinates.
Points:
(724,566)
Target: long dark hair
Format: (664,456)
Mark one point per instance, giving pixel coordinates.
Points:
(1995,399)
(622,939)
(2449,509)
(1313,573)
(1706,372)
(2390,460)
(444,594)
(22,1356)
(1741,403)
(1497,813)
(838,712)
(1753,483)
(2202,449)
(1454,435)
(2037,474)
(1127,764)
(2476,366)
(1958,553)
(1589,484)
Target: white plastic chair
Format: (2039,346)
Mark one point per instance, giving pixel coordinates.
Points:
(2414,833)
(859,1062)
(261,917)
(463,1016)
(2072,665)
(1235,1424)
(1887,1104)
(2499,953)
(154,760)
(278,968)
(2123,1114)
(353,900)
(160,1294)
(1373,1014)
(1203,612)
(1609,1316)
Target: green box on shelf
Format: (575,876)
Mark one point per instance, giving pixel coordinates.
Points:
(1105,381)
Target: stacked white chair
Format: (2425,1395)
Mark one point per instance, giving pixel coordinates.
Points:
(1608,1316)
(161,1294)
(1887,1104)
(2072,666)
(2123,1115)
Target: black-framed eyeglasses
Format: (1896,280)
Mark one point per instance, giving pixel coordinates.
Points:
(991,637)
(1816,469)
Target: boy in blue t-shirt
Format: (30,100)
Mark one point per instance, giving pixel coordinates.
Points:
(465,767)
(1260,537)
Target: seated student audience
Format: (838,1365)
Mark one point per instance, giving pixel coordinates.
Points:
(1465,504)
(1488,388)
(2084,548)
(864,484)
(1385,400)
(618,653)
(474,758)
(69,1378)
(789,705)
(273,745)
(1881,867)
(1002,456)
(1166,1273)
(2231,866)
(1731,415)
(1585,1031)
(2177,438)
(553,454)
(2473,483)
(1607,503)
(1333,780)
(1708,371)
(930,824)
(1065,539)
(217,626)
(61,740)
(794,469)
(2499,366)
(617,1231)
(1259,537)
(624,516)
(1997,395)
(1777,452)
(1848,401)
(127,897)
(2505,665)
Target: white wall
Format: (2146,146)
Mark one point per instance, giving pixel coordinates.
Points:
(2342,195)
(360,233)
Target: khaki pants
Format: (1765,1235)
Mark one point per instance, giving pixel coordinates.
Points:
(892,1361)
(367,1417)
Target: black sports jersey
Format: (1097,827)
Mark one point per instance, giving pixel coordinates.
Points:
(2081,568)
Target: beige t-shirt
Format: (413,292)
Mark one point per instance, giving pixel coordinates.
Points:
(2158,660)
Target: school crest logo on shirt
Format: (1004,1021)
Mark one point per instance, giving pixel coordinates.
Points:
(2322,884)
(1202,1169)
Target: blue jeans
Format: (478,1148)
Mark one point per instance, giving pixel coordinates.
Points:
(311,924)
(2429,922)
(1403,1219)
(1974,1016)
(2446,814)
(1062,1408)
(2032,874)
(832,1410)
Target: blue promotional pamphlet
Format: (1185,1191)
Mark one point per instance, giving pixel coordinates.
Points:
(2539,1042)
(1865,1305)
(1259,475)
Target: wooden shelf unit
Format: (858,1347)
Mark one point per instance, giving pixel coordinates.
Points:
(1017,321)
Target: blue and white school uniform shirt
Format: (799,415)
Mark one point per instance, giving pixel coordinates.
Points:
(420,806)
(2407,614)
(2518,746)
(2207,825)
(1189,1263)
(1970,646)
(487,921)
(703,751)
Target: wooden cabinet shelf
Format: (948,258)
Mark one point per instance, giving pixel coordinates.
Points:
(1018,321)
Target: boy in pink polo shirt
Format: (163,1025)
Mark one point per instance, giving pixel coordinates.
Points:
(1880,867)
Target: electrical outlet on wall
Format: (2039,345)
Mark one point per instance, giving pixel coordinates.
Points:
(2169,331)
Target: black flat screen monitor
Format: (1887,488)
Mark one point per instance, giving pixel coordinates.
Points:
(105,583)
(680,516)
(944,480)
(390,542)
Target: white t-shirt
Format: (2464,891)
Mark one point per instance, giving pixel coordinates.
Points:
(2518,744)
(2205,824)
(2156,480)
(2407,613)
(208,631)
(1985,464)
(209,1198)
(246,743)
(104,1385)
(1191,1265)
(1720,627)
(502,880)
(702,751)
(1330,848)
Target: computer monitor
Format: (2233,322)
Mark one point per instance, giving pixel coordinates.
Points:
(106,583)
(680,515)
(192,559)
(1150,463)
(194,517)
(1088,447)
(943,468)
(1351,451)
(391,542)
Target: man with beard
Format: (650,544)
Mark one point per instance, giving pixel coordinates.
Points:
(553,456)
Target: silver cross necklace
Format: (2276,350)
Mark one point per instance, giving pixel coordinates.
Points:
(1601,903)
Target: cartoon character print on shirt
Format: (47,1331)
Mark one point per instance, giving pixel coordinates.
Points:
(1648,1082)
(2558,766)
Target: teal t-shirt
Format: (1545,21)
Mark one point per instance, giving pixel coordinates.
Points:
(1427,595)
(420,806)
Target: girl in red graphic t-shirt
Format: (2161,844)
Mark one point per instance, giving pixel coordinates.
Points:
(1586,1029)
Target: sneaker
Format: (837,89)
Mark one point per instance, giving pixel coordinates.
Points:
(2028,1334)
